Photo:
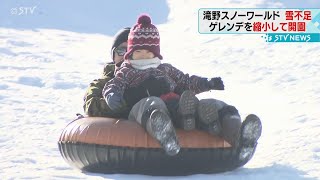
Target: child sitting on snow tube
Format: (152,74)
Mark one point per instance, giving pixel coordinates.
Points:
(142,62)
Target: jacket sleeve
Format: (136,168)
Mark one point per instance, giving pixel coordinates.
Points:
(94,103)
(185,82)
(119,83)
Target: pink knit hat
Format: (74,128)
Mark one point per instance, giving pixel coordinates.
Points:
(144,35)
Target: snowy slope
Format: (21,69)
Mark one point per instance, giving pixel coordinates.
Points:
(44,73)
(99,16)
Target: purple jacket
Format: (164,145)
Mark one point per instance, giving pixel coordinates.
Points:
(126,77)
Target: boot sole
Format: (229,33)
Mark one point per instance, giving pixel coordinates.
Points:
(246,153)
(207,112)
(251,130)
(164,132)
(187,109)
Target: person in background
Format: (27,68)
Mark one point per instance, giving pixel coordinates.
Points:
(94,103)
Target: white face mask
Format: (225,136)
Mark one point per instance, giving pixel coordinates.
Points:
(145,63)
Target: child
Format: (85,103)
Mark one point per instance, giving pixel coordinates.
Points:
(142,62)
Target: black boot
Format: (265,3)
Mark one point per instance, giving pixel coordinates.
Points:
(230,124)
(208,116)
(242,136)
(159,125)
(250,132)
(187,110)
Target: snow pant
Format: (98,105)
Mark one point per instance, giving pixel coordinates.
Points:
(142,110)
(227,116)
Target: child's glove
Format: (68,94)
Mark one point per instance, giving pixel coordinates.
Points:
(115,101)
(156,87)
(216,83)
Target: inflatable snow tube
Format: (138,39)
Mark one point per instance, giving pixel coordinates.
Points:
(107,145)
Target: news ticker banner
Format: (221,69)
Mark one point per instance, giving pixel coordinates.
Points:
(277,25)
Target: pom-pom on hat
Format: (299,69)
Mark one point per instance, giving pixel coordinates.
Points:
(144,35)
